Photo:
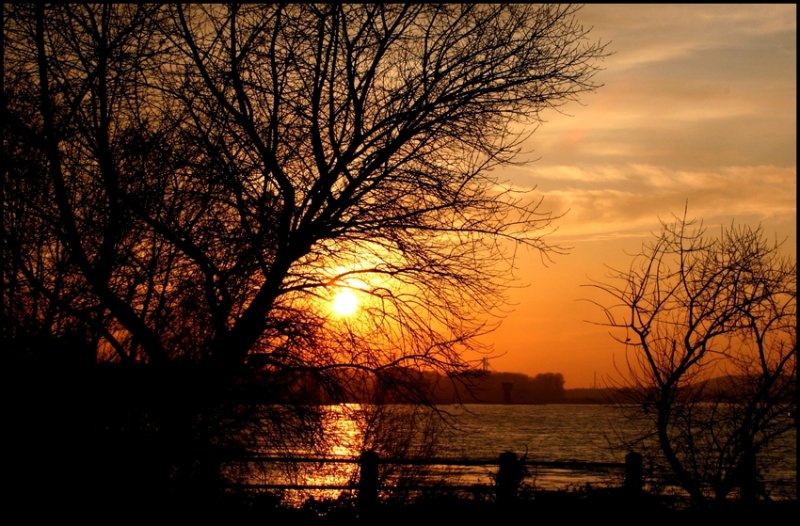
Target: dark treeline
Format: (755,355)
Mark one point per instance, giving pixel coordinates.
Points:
(503,388)
(398,384)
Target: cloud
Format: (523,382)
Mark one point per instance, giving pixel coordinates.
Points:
(627,201)
(648,34)
(698,105)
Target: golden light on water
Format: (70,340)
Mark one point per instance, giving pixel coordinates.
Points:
(344,430)
(344,440)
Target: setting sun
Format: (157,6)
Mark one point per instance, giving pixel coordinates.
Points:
(345,303)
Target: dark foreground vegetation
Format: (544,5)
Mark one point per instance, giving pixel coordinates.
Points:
(565,506)
(568,507)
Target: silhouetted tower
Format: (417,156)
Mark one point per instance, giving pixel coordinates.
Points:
(507,386)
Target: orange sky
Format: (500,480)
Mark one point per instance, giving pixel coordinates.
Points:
(698,104)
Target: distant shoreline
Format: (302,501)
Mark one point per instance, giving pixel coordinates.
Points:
(570,397)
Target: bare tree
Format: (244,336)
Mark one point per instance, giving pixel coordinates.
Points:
(710,329)
(209,176)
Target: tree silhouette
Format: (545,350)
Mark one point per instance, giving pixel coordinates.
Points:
(709,324)
(187,186)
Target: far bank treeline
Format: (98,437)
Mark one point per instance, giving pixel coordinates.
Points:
(401,385)
(501,388)
(406,385)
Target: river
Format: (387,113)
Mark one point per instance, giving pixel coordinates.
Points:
(584,433)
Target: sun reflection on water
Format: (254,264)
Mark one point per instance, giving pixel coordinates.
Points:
(343,439)
(328,466)
(549,433)
(345,435)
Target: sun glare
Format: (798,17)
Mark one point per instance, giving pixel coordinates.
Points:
(345,303)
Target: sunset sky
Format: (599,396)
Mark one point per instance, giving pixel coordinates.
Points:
(698,105)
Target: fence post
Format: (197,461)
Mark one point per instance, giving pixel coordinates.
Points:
(633,474)
(509,475)
(748,478)
(368,481)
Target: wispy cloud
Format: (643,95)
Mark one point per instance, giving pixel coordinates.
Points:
(648,34)
(695,86)
(625,201)
(698,106)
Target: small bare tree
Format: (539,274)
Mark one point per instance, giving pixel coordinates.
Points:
(709,326)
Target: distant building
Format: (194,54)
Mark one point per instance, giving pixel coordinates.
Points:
(507,387)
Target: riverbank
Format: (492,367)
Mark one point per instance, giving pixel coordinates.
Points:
(441,508)
(566,507)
